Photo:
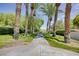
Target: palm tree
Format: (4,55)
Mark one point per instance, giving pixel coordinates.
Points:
(17,23)
(32,14)
(34,6)
(55,18)
(49,10)
(67,23)
(26,17)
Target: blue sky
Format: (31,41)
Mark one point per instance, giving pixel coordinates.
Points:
(11,7)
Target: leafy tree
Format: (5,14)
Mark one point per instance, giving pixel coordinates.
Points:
(71,24)
(76,21)
(7,19)
(22,23)
(37,23)
(59,25)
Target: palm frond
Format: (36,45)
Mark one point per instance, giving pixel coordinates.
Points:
(48,9)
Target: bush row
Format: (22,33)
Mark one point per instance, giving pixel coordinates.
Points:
(8,30)
(61,32)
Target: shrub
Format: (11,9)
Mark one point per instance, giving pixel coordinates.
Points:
(22,30)
(76,20)
(61,32)
(8,30)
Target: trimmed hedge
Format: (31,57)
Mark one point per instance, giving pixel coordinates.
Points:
(61,32)
(8,30)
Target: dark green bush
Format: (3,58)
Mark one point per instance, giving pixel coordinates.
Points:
(34,34)
(22,30)
(61,32)
(8,30)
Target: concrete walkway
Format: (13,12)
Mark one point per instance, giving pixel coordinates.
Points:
(75,35)
(38,47)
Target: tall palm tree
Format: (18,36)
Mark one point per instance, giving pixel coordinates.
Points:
(17,23)
(32,14)
(49,10)
(34,6)
(26,18)
(55,18)
(67,23)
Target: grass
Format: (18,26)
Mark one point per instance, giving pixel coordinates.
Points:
(5,40)
(5,37)
(53,41)
(27,38)
(59,38)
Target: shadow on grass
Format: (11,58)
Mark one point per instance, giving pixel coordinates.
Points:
(55,43)
(54,38)
(58,40)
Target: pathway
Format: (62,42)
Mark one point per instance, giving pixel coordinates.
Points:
(38,47)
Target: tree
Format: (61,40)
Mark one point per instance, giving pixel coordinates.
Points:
(7,19)
(26,18)
(71,24)
(23,24)
(33,14)
(17,21)
(76,22)
(67,23)
(49,10)
(59,25)
(55,18)
(37,23)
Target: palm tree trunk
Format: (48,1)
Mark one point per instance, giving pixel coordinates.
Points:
(26,19)
(32,14)
(55,19)
(47,27)
(48,24)
(67,23)
(50,19)
(17,23)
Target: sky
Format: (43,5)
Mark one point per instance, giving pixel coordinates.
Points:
(11,8)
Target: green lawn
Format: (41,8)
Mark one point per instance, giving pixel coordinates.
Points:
(5,40)
(58,42)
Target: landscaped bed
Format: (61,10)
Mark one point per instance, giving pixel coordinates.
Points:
(59,43)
